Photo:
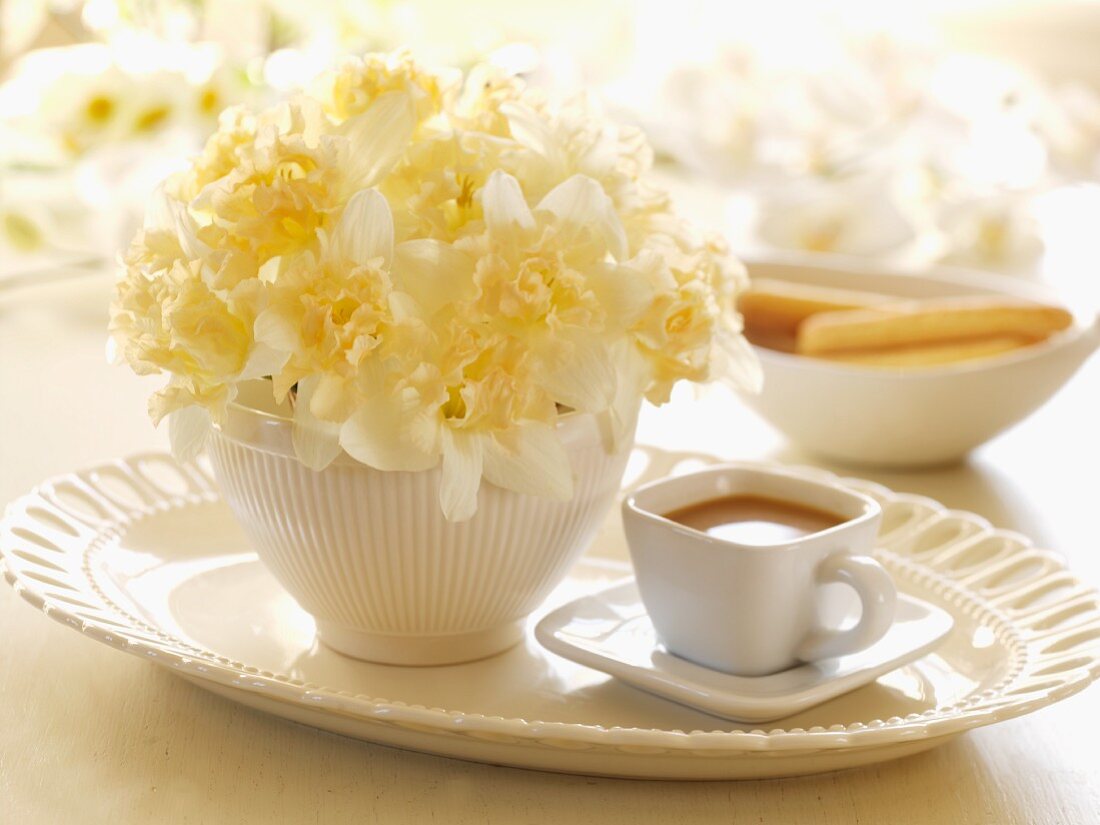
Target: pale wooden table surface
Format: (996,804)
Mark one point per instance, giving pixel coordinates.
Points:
(91,735)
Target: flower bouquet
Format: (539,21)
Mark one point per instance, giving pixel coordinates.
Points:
(414,316)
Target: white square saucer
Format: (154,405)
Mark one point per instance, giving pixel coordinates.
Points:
(611,632)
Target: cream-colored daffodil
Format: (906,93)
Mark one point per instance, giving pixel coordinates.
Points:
(294,176)
(356,83)
(576,142)
(474,409)
(554,276)
(531,325)
(167,317)
(329,313)
(431,277)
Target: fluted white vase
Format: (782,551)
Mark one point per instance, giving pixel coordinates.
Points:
(369,554)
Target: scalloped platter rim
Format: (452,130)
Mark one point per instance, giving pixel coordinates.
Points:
(93,549)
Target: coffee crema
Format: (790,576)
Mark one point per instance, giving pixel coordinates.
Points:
(751,519)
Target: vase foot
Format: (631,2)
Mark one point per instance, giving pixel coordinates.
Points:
(420,650)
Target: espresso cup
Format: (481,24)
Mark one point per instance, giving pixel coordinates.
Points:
(755,609)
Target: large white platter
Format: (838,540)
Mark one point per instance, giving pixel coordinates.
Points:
(142,555)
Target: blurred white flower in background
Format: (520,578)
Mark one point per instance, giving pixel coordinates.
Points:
(839,135)
(865,142)
(1071,126)
(43,213)
(87,130)
(74,99)
(861,215)
(997,231)
(98,99)
(23,231)
(21,21)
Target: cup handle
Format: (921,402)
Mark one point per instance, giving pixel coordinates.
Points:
(877,594)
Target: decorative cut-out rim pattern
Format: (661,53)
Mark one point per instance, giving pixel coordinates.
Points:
(1046,619)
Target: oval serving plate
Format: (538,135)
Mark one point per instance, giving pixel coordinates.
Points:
(142,554)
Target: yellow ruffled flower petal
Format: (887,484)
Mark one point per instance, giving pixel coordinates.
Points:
(353,86)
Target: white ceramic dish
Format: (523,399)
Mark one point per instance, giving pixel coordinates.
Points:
(610,631)
(142,555)
(909,418)
(371,557)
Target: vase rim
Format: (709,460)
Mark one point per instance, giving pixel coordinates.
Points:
(270,431)
(251,409)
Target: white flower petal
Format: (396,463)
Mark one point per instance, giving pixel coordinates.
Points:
(533,131)
(737,362)
(378,137)
(375,435)
(601,157)
(581,204)
(461,477)
(365,230)
(263,361)
(504,206)
(624,292)
(276,331)
(539,467)
(434,273)
(166,213)
(188,429)
(403,306)
(316,442)
(269,269)
(633,374)
(333,398)
(162,212)
(586,378)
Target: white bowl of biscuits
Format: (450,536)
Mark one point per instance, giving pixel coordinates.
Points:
(898,369)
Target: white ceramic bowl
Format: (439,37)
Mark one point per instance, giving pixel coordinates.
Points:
(899,418)
(370,556)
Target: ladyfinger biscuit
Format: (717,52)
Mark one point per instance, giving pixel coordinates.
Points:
(930,355)
(778,307)
(919,323)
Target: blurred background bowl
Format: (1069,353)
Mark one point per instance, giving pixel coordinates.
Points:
(916,417)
